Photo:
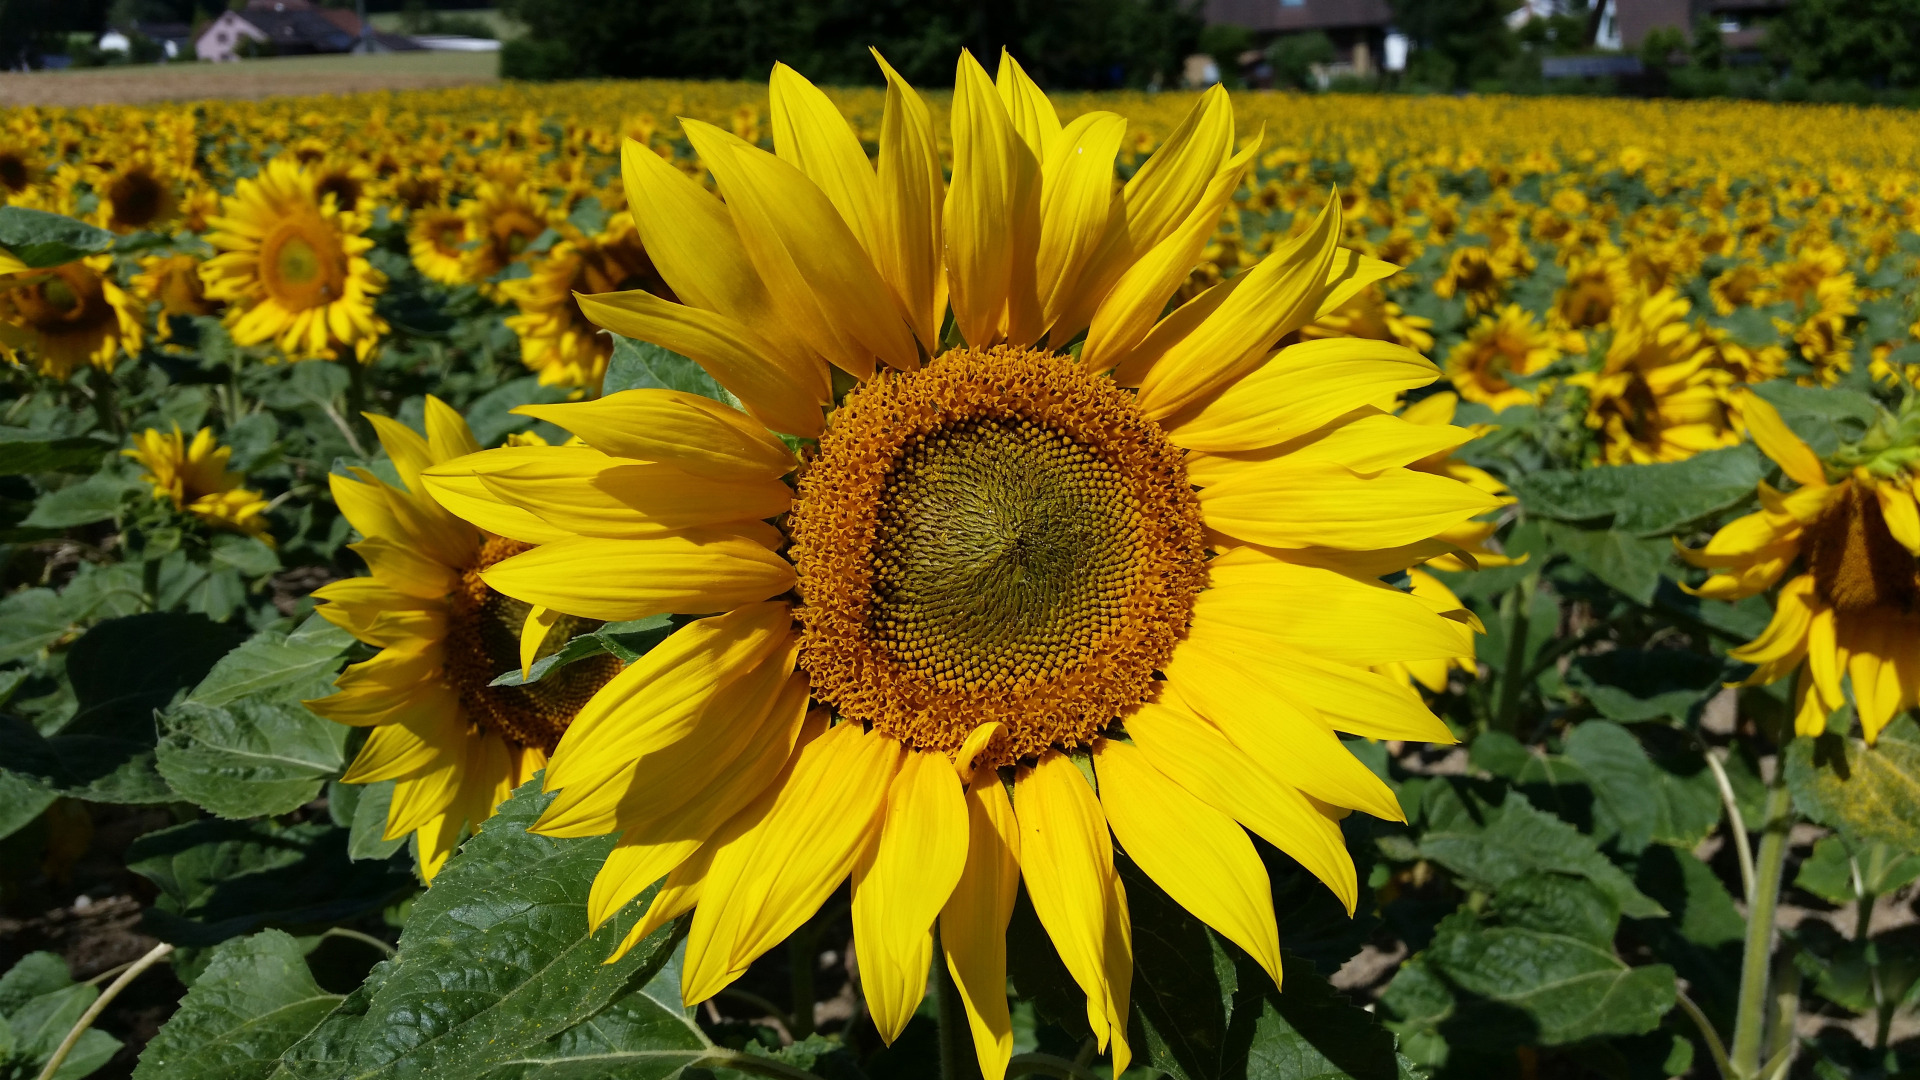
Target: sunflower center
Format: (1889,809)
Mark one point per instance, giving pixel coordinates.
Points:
(137,198)
(483,641)
(68,299)
(14,175)
(997,537)
(302,265)
(1857,564)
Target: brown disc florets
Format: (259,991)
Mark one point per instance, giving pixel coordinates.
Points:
(1857,564)
(996,537)
(483,640)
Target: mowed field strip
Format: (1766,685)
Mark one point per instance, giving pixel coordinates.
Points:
(279,76)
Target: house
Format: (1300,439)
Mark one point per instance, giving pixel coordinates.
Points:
(1358,28)
(290,28)
(1626,23)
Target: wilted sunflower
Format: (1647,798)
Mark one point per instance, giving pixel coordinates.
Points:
(556,338)
(1656,396)
(194,477)
(1499,348)
(960,622)
(454,745)
(1853,611)
(293,268)
(62,319)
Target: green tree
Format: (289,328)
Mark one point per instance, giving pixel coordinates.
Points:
(1294,55)
(1873,41)
(1471,35)
(1067,43)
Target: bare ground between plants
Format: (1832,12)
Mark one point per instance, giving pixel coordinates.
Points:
(283,77)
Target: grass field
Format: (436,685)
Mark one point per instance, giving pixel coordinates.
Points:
(503,28)
(293,75)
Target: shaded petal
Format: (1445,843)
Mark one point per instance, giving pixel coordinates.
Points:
(973,925)
(1196,853)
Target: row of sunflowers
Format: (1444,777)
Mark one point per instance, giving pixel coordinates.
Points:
(697,578)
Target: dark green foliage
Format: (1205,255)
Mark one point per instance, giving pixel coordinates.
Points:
(1075,43)
(1469,38)
(1873,42)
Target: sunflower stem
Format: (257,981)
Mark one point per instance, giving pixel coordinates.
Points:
(956,1038)
(154,955)
(1512,678)
(1750,1018)
(803,955)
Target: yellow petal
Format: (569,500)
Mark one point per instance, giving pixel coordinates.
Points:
(1194,754)
(1197,854)
(447,434)
(1169,185)
(616,580)
(1031,114)
(456,485)
(1286,737)
(533,634)
(992,217)
(1292,504)
(1303,387)
(1076,203)
(1066,859)
(658,698)
(912,190)
(1776,440)
(1131,307)
(635,500)
(1367,442)
(822,282)
(420,744)
(690,432)
(677,896)
(781,394)
(973,925)
(786,853)
(1281,294)
(810,134)
(403,568)
(691,240)
(645,857)
(404,445)
(901,883)
(1330,615)
(1903,519)
(1783,644)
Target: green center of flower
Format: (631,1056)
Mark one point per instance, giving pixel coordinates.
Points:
(1003,553)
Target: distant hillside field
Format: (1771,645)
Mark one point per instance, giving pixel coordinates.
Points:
(293,75)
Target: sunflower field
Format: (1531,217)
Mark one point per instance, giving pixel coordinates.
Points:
(647,580)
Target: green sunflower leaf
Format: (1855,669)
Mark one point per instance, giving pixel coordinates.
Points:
(495,961)
(255,999)
(25,452)
(639,364)
(1872,793)
(41,239)
(122,670)
(39,1004)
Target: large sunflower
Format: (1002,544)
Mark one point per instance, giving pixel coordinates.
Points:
(1853,610)
(293,268)
(68,317)
(454,744)
(986,632)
